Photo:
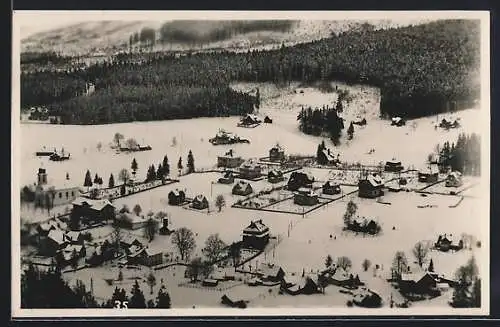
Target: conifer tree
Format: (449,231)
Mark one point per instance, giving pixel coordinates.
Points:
(88,179)
(190,162)
(163,299)
(111,182)
(137,300)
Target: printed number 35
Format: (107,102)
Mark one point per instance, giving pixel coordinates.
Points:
(121,305)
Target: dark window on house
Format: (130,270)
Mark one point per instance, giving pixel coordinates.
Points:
(72,193)
(67,195)
(60,195)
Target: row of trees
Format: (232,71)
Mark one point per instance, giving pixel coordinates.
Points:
(464,155)
(137,300)
(421,70)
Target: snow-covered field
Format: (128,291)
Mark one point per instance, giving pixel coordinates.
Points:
(309,240)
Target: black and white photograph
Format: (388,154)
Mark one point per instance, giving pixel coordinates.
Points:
(218,163)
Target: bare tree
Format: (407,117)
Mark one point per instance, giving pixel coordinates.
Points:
(124,175)
(420,251)
(99,146)
(366,264)
(350,212)
(213,247)
(131,143)
(194,269)
(183,238)
(137,209)
(220,202)
(117,138)
(344,263)
(328,261)
(151,281)
(399,264)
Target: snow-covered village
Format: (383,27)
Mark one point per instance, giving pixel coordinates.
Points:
(307,174)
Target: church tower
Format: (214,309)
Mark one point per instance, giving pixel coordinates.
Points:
(42,176)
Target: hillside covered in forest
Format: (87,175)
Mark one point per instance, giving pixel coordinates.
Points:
(420,70)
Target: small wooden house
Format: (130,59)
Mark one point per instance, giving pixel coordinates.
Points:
(371,186)
(326,157)
(270,272)
(275,176)
(419,283)
(255,235)
(331,188)
(398,121)
(176,197)
(454,179)
(445,243)
(250,170)
(229,160)
(200,202)
(298,180)
(53,243)
(430,174)
(227,178)
(305,197)
(146,257)
(249,120)
(277,153)
(393,166)
(242,188)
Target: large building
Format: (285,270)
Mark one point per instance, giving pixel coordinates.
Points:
(277,153)
(256,235)
(250,170)
(305,197)
(90,210)
(229,160)
(58,194)
(430,174)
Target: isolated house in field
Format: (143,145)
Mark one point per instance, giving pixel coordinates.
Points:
(270,272)
(58,193)
(445,243)
(298,180)
(229,160)
(176,197)
(268,120)
(326,157)
(454,179)
(275,176)
(398,121)
(430,174)
(249,120)
(93,210)
(393,166)
(367,299)
(146,257)
(242,188)
(200,202)
(331,188)
(305,197)
(370,186)
(227,178)
(250,170)
(255,235)
(277,153)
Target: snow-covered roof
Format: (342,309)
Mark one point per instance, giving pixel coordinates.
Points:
(329,155)
(242,184)
(415,277)
(340,274)
(152,251)
(375,180)
(275,172)
(93,203)
(430,169)
(256,226)
(133,218)
(129,239)
(396,119)
(73,235)
(269,269)
(200,198)
(57,236)
(176,192)
(307,191)
(455,174)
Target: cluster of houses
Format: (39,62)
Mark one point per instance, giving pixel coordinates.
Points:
(446,243)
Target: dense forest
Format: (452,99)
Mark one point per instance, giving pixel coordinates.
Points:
(464,155)
(421,70)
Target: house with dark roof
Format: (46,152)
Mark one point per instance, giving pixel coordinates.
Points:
(275,176)
(255,235)
(229,160)
(53,243)
(331,188)
(268,120)
(129,240)
(305,197)
(306,285)
(298,180)
(277,153)
(429,174)
(200,202)
(326,157)
(446,243)
(393,165)
(249,120)
(454,179)
(93,210)
(419,283)
(242,188)
(131,221)
(250,170)
(176,197)
(370,186)
(227,178)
